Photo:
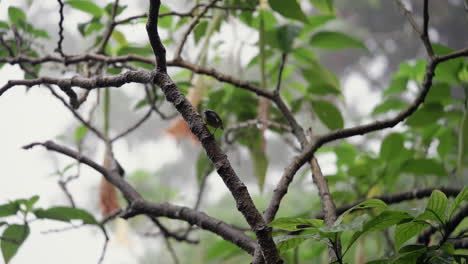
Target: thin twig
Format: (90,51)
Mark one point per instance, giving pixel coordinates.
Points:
(110,28)
(191,26)
(280,73)
(59,48)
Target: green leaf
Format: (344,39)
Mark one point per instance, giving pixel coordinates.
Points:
(260,163)
(426,115)
(391,146)
(203,164)
(324,6)
(414,70)
(9,209)
(110,6)
(4,25)
(447,71)
(462,196)
(328,113)
(381,221)
(17,16)
(424,166)
(446,139)
(406,231)
(462,74)
(372,203)
(221,250)
(285,243)
(317,21)
(86,6)
(294,224)
(331,40)
(200,30)
(17,233)
(134,49)
(389,105)
(80,132)
(285,35)
(290,9)
(65,214)
(439,93)
(119,37)
(397,85)
(140,104)
(436,207)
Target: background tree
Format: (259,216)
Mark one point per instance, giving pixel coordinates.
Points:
(278,89)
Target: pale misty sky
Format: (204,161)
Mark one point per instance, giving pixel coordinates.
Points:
(37,116)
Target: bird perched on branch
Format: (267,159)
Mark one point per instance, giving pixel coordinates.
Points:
(212,119)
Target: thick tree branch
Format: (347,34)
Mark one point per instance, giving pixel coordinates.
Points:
(237,188)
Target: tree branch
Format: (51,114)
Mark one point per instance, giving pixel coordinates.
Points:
(237,188)
(138,206)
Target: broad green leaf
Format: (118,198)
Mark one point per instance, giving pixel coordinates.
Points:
(321,81)
(436,207)
(260,163)
(423,167)
(391,146)
(94,26)
(381,221)
(285,35)
(447,140)
(110,6)
(389,105)
(287,242)
(411,248)
(294,223)
(221,250)
(317,21)
(335,41)
(324,6)
(426,115)
(17,233)
(134,49)
(65,214)
(289,9)
(346,154)
(462,196)
(386,219)
(462,74)
(203,164)
(397,85)
(439,93)
(447,71)
(4,25)
(9,209)
(80,132)
(328,113)
(355,224)
(119,37)
(371,203)
(200,30)
(414,70)
(17,16)
(86,6)
(406,231)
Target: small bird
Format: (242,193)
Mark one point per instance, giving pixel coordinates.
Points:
(213,119)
